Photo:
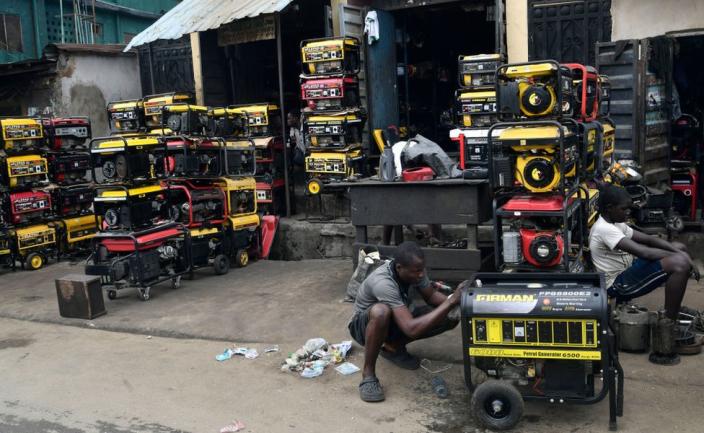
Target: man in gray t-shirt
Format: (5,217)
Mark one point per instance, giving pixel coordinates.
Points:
(384,320)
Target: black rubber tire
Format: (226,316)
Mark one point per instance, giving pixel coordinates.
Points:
(490,391)
(112,294)
(35,261)
(221,264)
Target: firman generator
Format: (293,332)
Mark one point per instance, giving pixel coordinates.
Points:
(333,131)
(479,71)
(330,93)
(541,232)
(263,119)
(153,106)
(534,90)
(326,167)
(130,208)
(184,119)
(74,200)
(330,56)
(538,336)
(21,134)
(474,151)
(66,133)
(536,156)
(26,171)
(126,159)
(585,87)
(126,116)
(476,107)
(69,167)
(26,207)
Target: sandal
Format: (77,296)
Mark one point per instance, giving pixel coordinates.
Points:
(370,390)
(402,359)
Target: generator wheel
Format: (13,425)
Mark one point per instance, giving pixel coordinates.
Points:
(112,294)
(35,261)
(221,264)
(314,186)
(241,258)
(144,293)
(497,405)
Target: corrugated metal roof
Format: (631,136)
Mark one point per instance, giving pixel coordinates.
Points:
(199,15)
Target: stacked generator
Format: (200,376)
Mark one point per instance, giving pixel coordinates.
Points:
(45,196)
(545,155)
(175,193)
(332,120)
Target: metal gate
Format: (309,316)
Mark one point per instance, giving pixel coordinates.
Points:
(567,31)
(166,66)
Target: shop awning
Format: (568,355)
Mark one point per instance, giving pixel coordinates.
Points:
(199,15)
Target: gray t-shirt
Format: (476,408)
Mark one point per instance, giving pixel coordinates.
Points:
(607,258)
(383,286)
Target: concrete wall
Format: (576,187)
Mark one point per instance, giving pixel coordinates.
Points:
(517,30)
(87,82)
(635,19)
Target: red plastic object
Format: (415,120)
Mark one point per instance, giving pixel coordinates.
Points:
(417,174)
(145,242)
(528,203)
(530,242)
(687,185)
(269,225)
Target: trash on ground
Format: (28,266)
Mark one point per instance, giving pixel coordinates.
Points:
(234,426)
(427,365)
(274,348)
(311,359)
(347,368)
(247,352)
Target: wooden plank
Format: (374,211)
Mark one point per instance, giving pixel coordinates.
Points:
(197,67)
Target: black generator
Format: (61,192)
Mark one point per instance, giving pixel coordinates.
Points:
(538,336)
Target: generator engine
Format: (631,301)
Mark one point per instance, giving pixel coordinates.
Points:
(226,122)
(27,207)
(185,119)
(131,159)
(479,71)
(542,336)
(75,200)
(326,131)
(534,90)
(330,56)
(21,134)
(25,171)
(153,105)
(131,208)
(476,107)
(334,93)
(193,206)
(585,85)
(67,133)
(263,119)
(325,167)
(67,168)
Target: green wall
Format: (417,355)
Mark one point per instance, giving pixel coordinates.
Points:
(114,24)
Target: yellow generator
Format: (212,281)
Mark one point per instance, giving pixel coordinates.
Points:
(608,145)
(126,159)
(534,90)
(476,107)
(263,119)
(130,208)
(538,156)
(328,167)
(24,171)
(21,134)
(227,122)
(333,131)
(330,56)
(6,257)
(479,71)
(590,199)
(34,245)
(243,222)
(591,141)
(153,105)
(126,116)
(184,119)
(75,234)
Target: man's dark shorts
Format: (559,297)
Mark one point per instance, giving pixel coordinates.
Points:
(641,278)
(358,326)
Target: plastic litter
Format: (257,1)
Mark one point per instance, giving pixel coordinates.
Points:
(234,426)
(311,359)
(274,348)
(439,386)
(347,368)
(247,352)
(224,356)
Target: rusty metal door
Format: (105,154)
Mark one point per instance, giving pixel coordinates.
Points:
(567,30)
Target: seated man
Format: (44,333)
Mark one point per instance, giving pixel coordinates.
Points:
(613,245)
(383,322)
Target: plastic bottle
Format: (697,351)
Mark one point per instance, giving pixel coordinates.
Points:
(439,386)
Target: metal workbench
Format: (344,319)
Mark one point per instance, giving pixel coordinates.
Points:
(451,201)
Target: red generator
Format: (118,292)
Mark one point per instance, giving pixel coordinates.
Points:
(586,93)
(72,201)
(335,93)
(686,194)
(27,207)
(68,168)
(66,132)
(542,233)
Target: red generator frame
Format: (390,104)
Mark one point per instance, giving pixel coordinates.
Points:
(583,94)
